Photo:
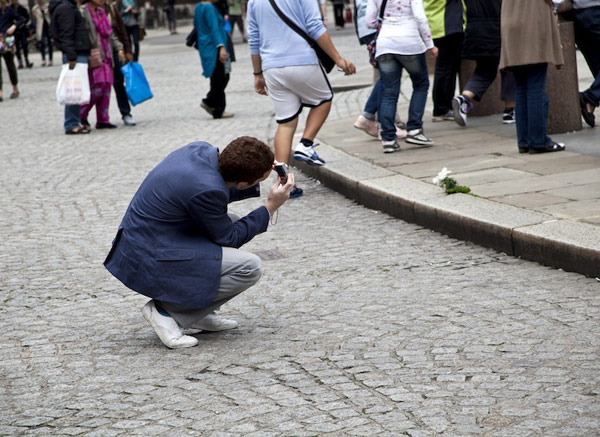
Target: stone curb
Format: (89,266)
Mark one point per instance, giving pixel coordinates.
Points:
(535,236)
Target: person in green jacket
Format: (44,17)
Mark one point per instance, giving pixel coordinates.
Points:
(446,22)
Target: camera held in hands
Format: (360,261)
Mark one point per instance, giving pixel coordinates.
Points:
(282,171)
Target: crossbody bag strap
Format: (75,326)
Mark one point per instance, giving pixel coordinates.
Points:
(292,25)
(381,12)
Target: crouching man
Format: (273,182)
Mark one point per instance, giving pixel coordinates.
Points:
(178,245)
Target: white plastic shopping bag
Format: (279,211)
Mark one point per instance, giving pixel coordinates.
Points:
(73,86)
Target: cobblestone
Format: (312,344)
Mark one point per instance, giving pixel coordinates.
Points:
(368,326)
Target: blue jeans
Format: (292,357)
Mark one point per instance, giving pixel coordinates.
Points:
(531,105)
(390,67)
(374,100)
(72,112)
(587,37)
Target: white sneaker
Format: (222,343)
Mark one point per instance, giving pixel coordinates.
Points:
(370,127)
(460,106)
(128,120)
(400,132)
(167,328)
(212,322)
(308,155)
(416,136)
(390,146)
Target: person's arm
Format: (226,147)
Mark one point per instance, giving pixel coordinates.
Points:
(209,211)
(260,85)
(327,45)
(66,33)
(421,19)
(372,13)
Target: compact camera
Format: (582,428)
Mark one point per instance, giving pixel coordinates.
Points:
(282,171)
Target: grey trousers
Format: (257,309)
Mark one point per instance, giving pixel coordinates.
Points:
(240,270)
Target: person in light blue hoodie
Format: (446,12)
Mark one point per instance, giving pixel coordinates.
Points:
(288,69)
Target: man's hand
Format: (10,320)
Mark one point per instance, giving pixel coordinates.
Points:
(223,56)
(259,85)
(129,56)
(434,51)
(346,66)
(278,194)
(122,58)
(72,64)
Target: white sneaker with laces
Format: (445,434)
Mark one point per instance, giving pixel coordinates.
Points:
(370,127)
(308,155)
(167,328)
(390,146)
(460,107)
(416,136)
(212,322)
(128,120)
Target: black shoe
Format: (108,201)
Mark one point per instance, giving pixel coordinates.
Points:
(85,124)
(105,126)
(30,65)
(523,149)
(588,116)
(552,146)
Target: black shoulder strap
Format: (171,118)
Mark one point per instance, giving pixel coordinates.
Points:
(292,25)
(382,10)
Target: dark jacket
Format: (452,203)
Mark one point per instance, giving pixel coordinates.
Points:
(23,15)
(118,26)
(8,18)
(482,35)
(68,29)
(169,244)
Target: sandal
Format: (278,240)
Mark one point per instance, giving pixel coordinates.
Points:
(77,130)
(85,124)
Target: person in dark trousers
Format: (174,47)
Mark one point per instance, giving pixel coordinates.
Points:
(482,44)
(178,245)
(216,62)
(130,13)
(71,36)
(22,34)
(447,29)
(9,21)
(338,13)
(169,9)
(42,30)
(533,21)
(118,80)
(586,17)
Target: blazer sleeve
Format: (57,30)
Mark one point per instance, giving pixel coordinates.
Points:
(235,195)
(209,211)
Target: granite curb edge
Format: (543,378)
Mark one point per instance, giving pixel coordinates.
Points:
(535,236)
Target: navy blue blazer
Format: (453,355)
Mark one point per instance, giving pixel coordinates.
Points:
(168,246)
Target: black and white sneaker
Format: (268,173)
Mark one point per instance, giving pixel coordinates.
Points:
(416,136)
(308,155)
(390,146)
(509,116)
(448,116)
(460,106)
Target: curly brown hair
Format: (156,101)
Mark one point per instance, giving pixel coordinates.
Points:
(245,159)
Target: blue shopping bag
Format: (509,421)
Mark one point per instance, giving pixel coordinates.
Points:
(136,84)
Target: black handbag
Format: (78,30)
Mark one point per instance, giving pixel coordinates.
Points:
(192,39)
(324,58)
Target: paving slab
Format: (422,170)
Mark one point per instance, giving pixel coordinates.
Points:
(530,200)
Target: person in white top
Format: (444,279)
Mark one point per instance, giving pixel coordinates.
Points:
(402,42)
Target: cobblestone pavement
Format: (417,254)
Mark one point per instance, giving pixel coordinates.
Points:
(368,326)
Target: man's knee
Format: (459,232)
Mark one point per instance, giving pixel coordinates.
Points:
(252,268)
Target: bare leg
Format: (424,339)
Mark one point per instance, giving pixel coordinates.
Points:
(316,118)
(469,94)
(283,140)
